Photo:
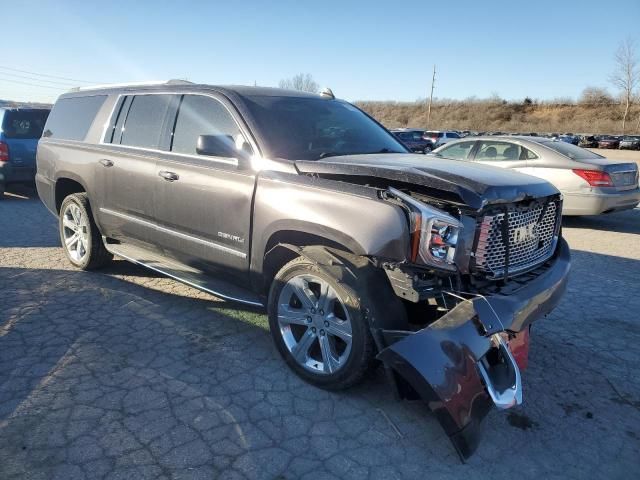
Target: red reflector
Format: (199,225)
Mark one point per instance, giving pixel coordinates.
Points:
(595,178)
(4,152)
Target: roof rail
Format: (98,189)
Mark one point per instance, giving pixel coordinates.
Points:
(173,81)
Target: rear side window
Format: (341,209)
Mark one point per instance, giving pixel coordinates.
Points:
(571,151)
(143,126)
(72,117)
(200,115)
(24,123)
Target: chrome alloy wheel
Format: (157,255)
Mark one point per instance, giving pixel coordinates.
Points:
(75,231)
(314,324)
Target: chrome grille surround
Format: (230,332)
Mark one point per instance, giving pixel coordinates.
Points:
(530,242)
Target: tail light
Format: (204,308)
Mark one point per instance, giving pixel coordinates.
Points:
(595,178)
(4,152)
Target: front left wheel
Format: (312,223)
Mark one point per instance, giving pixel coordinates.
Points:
(80,237)
(317,324)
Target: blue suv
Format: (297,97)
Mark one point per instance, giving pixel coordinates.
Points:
(20,130)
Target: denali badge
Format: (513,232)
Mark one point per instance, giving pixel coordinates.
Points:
(233,238)
(524,234)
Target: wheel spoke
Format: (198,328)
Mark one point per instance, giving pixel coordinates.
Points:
(330,363)
(339,328)
(73,239)
(327,297)
(301,349)
(67,223)
(290,316)
(301,290)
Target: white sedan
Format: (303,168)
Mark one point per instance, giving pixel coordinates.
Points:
(590,183)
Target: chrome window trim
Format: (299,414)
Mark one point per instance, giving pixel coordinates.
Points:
(170,231)
(241,128)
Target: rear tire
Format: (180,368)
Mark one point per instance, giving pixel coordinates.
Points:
(81,240)
(312,314)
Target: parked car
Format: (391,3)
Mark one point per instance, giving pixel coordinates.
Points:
(569,138)
(607,141)
(305,205)
(588,141)
(440,138)
(630,142)
(414,139)
(20,129)
(590,183)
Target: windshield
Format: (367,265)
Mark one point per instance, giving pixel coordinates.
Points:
(571,151)
(24,123)
(299,128)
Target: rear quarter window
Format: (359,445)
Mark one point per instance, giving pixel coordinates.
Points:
(24,123)
(72,117)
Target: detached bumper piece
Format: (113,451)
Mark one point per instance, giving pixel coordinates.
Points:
(462,365)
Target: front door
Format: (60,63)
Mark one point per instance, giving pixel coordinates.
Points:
(203,203)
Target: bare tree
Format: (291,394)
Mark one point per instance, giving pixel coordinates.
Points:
(595,96)
(302,81)
(626,75)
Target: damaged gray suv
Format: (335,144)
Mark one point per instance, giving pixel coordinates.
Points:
(361,252)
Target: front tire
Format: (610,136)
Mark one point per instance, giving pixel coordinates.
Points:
(79,235)
(317,324)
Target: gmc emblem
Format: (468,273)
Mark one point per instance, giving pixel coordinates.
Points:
(524,234)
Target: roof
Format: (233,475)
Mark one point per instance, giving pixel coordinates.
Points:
(183,85)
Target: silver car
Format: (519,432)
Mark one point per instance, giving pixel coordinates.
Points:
(591,184)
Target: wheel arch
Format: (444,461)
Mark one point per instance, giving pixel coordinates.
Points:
(66,184)
(276,251)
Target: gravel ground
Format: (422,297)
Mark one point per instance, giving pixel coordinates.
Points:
(125,374)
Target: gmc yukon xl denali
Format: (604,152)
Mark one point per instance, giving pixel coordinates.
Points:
(361,252)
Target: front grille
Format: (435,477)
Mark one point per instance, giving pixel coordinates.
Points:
(532,233)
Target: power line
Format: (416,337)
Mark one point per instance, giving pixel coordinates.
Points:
(47,75)
(19,82)
(55,82)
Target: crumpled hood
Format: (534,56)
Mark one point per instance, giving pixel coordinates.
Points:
(469,183)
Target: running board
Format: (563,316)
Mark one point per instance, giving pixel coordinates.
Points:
(184,273)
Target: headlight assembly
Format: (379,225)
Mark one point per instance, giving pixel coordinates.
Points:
(434,233)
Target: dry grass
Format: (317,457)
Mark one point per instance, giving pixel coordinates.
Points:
(499,115)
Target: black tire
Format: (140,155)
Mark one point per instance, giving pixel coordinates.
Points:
(361,358)
(427,149)
(96,254)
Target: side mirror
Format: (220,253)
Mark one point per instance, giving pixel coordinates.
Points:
(217,146)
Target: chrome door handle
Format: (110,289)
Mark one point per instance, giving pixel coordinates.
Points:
(168,176)
(106,162)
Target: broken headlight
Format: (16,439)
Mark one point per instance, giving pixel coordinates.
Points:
(434,233)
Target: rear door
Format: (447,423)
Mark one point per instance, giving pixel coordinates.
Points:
(203,203)
(126,172)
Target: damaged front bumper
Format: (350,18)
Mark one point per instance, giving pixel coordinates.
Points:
(461,364)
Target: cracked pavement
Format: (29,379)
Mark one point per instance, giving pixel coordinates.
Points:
(125,374)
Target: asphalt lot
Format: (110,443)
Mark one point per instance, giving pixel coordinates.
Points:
(125,374)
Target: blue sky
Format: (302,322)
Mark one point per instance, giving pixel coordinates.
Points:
(363,50)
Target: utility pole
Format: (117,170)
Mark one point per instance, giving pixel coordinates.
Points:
(433,81)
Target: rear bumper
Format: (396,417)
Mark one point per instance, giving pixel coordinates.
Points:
(10,173)
(597,203)
(446,363)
